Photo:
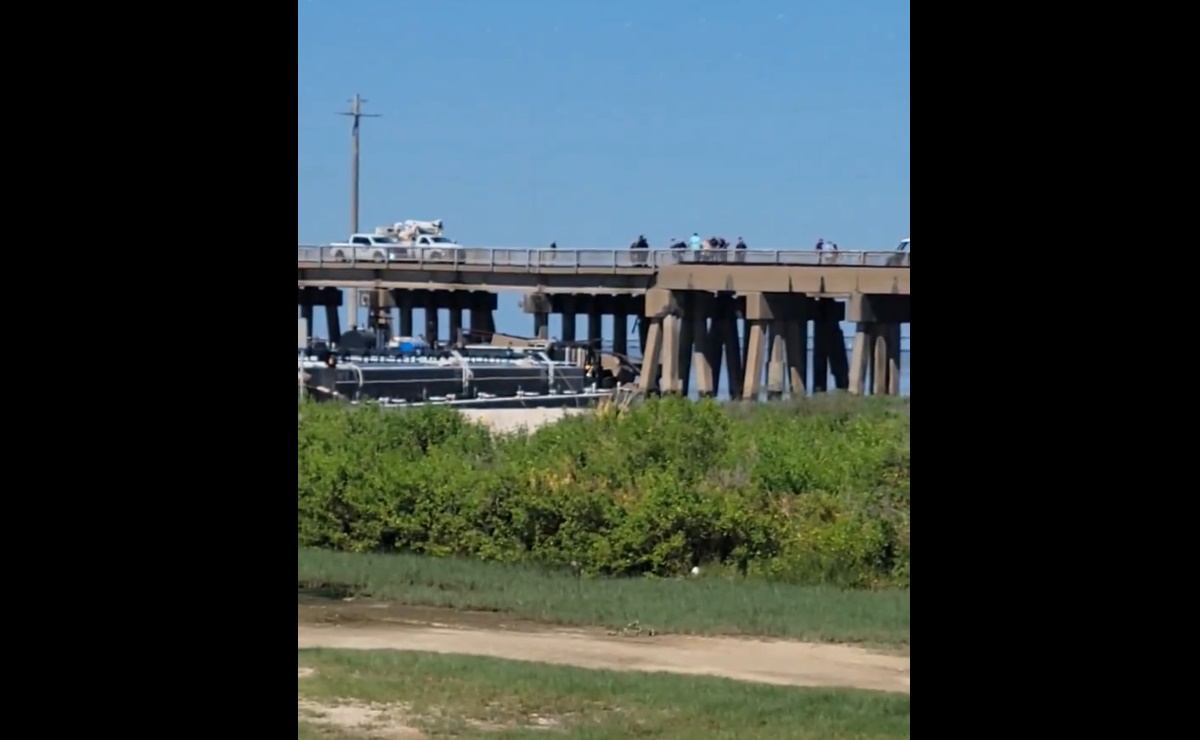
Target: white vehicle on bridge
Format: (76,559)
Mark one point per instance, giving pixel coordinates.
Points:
(363,248)
(420,240)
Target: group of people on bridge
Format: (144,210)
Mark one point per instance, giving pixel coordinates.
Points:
(712,249)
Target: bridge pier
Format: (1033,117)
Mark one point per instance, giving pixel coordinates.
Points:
(306,313)
(569,322)
(309,297)
(620,325)
(829,345)
(384,304)
(483,320)
(876,349)
(696,315)
(700,329)
(568,306)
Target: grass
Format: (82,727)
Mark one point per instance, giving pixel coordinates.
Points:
(456,696)
(706,605)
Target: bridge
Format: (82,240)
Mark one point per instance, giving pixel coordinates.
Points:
(689,305)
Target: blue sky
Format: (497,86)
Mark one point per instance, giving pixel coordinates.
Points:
(587,123)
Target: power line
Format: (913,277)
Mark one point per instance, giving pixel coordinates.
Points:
(356,113)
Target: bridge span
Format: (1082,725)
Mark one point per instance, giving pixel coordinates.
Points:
(688,304)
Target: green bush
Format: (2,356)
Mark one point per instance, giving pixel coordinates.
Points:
(815,491)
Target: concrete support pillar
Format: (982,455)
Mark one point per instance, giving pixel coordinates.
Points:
(744,336)
(455,300)
(879,353)
(472,304)
(620,325)
(568,308)
(651,352)
(714,348)
(700,307)
(662,321)
(480,318)
(670,382)
(483,320)
(756,336)
(893,355)
(379,319)
(332,319)
(306,313)
(797,347)
(839,364)
(858,359)
(877,342)
(733,351)
(759,315)
(820,354)
(687,340)
(541,325)
(776,339)
(595,326)
(432,328)
(406,312)
(351,303)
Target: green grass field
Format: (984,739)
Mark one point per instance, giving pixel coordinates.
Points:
(386,694)
(707,605)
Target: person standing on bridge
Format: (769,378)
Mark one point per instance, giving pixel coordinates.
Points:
(694,242)
(739,248)
(640,252)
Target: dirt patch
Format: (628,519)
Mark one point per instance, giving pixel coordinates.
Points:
(764,661)
(303,672)
(351,611)
(370,720)
(503,421)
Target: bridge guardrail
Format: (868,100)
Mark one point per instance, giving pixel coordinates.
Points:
(596,259)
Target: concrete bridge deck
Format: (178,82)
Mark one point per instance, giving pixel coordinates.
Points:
(616,271)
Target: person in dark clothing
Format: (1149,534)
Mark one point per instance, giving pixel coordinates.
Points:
(640,252)
(821,244)
(723,245)
(554,245)
(739,248)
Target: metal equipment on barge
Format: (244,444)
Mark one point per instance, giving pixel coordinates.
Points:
(408,371)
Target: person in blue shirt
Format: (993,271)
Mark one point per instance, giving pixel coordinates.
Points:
(694,242)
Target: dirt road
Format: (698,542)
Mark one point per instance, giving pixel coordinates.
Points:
(776,662)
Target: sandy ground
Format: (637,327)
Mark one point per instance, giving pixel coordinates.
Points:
(510,420)
(775,662)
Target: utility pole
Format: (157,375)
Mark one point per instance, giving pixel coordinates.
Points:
(356,113)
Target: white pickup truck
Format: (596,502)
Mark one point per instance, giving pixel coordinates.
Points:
(364,248)
(428,247)
(403,241)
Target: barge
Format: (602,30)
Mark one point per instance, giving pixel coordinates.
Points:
(408,372)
